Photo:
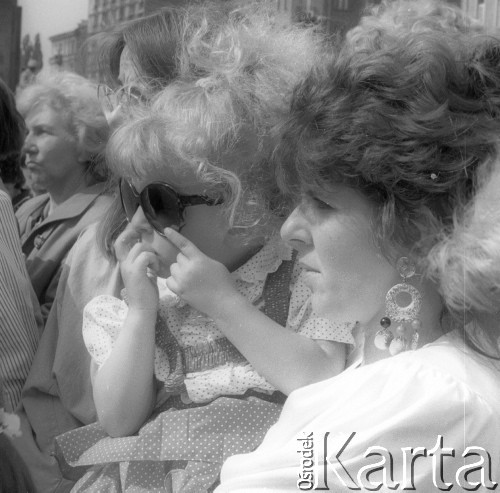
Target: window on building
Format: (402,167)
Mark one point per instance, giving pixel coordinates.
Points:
(341,4)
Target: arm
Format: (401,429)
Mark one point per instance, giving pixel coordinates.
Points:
(19,323)
(286,359)
(124,390)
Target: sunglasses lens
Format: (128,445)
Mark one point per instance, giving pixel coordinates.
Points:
(161,207)
(130,201)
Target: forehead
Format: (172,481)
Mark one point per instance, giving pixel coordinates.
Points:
(44,114)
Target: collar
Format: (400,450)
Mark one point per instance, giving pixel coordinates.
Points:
(265,261)
(74,205)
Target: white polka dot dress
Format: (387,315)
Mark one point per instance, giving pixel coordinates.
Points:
(222,408)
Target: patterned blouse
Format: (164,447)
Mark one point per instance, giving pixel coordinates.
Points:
(192,355)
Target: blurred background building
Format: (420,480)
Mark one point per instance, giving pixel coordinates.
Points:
(68,52)
(486,11)
(72,49)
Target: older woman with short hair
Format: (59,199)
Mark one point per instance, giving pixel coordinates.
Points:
(66,134)
(57,396)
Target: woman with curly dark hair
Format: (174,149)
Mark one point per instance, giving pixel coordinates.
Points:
(391,150)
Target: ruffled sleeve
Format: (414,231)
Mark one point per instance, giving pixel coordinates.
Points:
(103,318)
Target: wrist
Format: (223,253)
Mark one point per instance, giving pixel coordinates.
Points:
(231,307)
(143,314)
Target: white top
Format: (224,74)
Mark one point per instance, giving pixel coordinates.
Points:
(443,396)
(104,317)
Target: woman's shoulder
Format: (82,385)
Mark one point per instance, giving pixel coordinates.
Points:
(425,404)
(89,204)
(453,361)
(443,376)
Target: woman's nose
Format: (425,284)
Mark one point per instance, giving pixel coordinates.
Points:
(295,230)
(29,146)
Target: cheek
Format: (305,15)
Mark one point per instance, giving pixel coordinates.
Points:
(206,227)
(356,278)
(61,150)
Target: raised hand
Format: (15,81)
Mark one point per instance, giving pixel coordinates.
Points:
(138,265)
(202,282)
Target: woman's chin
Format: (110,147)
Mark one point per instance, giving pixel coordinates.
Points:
(321,304)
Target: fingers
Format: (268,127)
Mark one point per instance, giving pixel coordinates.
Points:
(183,244)
(147,261)
(133,254)
(124,243)
(172,285)
(176,282)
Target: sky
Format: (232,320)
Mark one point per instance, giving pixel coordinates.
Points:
(50,17)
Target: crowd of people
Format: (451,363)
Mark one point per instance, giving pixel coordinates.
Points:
(264,258)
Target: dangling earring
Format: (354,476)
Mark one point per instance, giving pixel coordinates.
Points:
(406,315)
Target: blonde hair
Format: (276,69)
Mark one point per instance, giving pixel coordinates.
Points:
(418,16)
(74,98)
(237,71)
(466,262)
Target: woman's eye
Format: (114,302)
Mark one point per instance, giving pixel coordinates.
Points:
(320,204)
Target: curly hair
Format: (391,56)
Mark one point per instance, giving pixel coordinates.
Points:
(411,121)
(475,239)
(392,17)
(466,261)
(157,48)
(407,124)
(74,98)
(236,76)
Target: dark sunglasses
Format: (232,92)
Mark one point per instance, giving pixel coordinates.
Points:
(161,204)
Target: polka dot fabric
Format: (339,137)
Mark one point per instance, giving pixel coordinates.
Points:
(194,441)
(104,316)
(182,450)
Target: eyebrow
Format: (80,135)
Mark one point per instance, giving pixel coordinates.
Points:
(43,126)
